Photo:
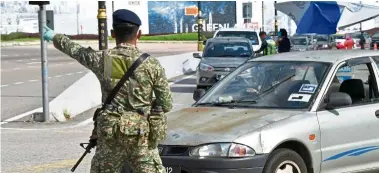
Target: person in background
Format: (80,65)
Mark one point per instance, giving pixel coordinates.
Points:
(284,44)
(268,45)
(349,42)
(362,41)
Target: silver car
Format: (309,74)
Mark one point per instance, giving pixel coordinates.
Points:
(298,112)
(301,43)
(221,56)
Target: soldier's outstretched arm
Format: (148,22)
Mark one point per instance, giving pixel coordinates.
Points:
(85,56)
(161,87)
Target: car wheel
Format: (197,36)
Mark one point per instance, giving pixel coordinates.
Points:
(285,161)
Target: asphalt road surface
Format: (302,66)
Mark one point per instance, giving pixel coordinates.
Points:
(54,148)
(21,82)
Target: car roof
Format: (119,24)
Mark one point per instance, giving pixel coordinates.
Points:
(237,29)
(225,39)
(331,56)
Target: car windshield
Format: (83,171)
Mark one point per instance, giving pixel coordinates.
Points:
(376,36)
(269,84)
(228,49)
(299,41)
(252,36)
(322,37)
(338,37)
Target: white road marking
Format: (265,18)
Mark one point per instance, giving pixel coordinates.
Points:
(32,66)
(20,60)
(32,80)
(34,59)
(70,63)
(18,83)
(34,63)
(79,72)
(4,55)
(58,76)
(4,86)
(69,74)
(16,68)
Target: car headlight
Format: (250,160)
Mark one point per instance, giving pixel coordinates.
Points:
(302,50)
(324,45)
(206,67)
(222,150)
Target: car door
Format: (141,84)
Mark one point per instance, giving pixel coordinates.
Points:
(349,134)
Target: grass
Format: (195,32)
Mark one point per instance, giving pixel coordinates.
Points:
(170,37)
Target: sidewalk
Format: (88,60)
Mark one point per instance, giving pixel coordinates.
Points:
(26,43)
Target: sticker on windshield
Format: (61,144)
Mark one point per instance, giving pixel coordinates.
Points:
(308,88)
(299,97)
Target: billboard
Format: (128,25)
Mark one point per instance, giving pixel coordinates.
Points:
(181,16)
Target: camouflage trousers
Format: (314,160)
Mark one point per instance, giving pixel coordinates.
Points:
(124,139)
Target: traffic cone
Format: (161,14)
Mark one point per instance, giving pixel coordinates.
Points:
(375,46)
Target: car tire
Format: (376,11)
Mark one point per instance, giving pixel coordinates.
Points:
(280,160)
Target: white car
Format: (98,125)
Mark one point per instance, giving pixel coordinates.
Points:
(250,34)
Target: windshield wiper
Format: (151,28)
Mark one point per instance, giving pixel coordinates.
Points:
(231,104)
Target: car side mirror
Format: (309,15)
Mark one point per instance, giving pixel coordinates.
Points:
(204,42)
(338,99)
(196,55)
(198,94)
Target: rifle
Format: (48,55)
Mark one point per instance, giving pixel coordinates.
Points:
(88,150)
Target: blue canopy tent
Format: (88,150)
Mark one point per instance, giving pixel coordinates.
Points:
(324,17)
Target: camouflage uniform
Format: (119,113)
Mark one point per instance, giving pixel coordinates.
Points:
(118,131)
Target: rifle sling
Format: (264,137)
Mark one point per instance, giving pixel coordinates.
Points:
(126,76)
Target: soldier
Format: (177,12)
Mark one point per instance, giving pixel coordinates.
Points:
(119,134)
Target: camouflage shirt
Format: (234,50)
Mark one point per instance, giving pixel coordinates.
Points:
(138,90)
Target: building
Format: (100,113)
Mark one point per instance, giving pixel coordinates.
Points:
(73,17)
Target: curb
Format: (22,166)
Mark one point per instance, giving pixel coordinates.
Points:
(10,44)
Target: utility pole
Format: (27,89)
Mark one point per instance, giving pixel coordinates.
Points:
(276,20)
(199,27)
(42,23)
(77,16)
(263,18)
(102,26)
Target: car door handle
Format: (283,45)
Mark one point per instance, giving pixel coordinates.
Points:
(377,114)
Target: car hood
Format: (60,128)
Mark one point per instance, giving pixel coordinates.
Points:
(224,61)
(300,46)
(198,125)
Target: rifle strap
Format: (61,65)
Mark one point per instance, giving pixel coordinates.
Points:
(126,76)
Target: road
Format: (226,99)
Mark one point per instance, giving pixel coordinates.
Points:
(21,86)
(54,148)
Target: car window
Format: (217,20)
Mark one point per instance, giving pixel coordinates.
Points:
(376,35)
(321,37)
(228,49)
(252,36)
(354,81)
(299,41)
(376,59)
(276,84)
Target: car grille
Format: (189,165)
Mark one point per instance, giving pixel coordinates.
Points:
(222,69)
(172,150)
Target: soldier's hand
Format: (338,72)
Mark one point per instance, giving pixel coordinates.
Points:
(48,34)
(93,141)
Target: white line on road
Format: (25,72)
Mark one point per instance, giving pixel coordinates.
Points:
(16,68)
(4,86)
(33,63)
(69,74)
(4,55)
(18,83)
(58,76)
(32,80)
(34,59)
(32,66)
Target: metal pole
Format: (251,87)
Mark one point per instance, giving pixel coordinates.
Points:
(263,18)
(102,26)
(112,6)
(45,97)
(199,28)
(276,20)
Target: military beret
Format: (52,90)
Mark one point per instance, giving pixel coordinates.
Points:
(125,16)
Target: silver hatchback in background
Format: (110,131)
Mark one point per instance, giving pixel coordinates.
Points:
(221,55)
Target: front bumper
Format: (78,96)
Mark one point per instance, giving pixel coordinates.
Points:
(186,164)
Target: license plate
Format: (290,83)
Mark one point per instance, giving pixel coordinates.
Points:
(172,169)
